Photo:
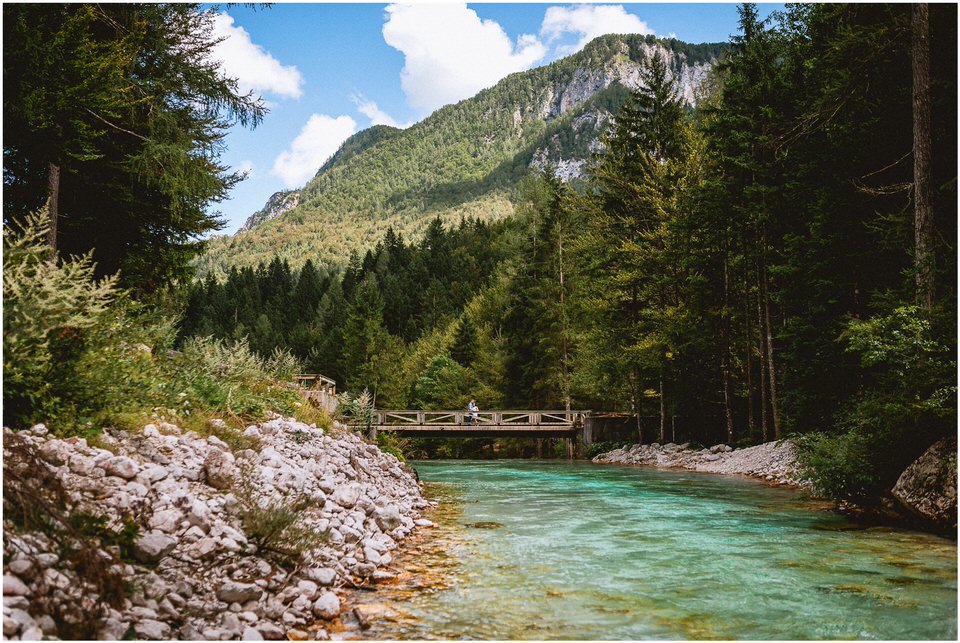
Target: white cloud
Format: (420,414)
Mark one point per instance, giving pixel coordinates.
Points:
(588,21)
(317,141)
(450,53)
(376,115)
(254,68)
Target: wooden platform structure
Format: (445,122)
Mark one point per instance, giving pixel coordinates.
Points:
(319,389)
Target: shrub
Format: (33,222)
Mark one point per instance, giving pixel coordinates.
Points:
(78,354)
(48,309)
(908,401)
(390,442)
(277,526)
(358,411)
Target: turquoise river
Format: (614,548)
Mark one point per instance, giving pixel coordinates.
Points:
(554,550)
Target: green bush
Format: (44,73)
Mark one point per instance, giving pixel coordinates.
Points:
(49,308)
(79,354)
(909,400)
(390,442)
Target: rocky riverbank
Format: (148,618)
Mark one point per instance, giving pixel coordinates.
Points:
(774,462)
(197,539)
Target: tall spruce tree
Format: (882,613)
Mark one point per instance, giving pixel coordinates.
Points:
(115,114)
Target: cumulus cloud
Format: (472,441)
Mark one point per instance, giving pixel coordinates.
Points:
(588,21)
(450,53)
(376,115)
(317,141)
(254,68)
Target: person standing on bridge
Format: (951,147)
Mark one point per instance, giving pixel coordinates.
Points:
(474,409)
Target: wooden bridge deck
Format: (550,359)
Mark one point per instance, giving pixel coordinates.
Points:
(460,424)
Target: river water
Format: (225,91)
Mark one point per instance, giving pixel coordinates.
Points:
(553,550)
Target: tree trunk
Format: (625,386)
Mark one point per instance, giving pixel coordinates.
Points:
(774,412)
(563,320)
(53,206)
(638,402)
(764,422)
(725,346)
(751,420)
(663,412)
(922,154)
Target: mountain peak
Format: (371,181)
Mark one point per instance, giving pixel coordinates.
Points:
(464,159)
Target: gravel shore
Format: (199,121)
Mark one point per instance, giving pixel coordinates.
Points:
(775,462)
(202,562)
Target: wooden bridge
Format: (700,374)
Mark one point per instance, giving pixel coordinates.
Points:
(483,424)
(454,424)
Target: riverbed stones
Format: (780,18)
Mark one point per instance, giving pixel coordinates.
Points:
(152,630)
(152,546)
(234,592)
(388,518)
(194,561)
(775,462)
(220,469)
(121,467)
(323,576)
(327,606)
(13,586)
(346,495)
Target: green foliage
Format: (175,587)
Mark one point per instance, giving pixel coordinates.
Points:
(357,409)
(94,526)
(444,384)
(49,310)
(909,402)
(390,442)
(465,344)
(78,353)
(127,102)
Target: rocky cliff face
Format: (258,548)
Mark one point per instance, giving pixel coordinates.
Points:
(589,122)
(198,554)
(553,100)
(276,205)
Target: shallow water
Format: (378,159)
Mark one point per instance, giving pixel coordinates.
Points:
(551,550)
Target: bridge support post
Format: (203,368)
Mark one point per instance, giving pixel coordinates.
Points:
(570,449)
(372,433)
(587,432)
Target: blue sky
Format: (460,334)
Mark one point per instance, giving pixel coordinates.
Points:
(329,70)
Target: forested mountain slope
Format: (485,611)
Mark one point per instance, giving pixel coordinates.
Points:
(464,160)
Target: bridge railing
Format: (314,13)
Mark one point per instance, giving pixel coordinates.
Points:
(386,418)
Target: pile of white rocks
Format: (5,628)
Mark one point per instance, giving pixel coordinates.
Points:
(775,462)
(195,572)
